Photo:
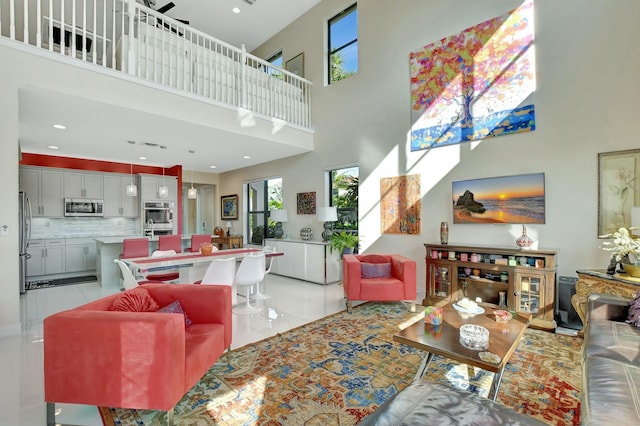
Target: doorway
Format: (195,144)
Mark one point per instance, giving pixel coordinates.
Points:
(198,213)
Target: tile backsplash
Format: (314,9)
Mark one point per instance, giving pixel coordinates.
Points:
(81,227)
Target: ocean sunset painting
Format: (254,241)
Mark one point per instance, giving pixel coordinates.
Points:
(507,199)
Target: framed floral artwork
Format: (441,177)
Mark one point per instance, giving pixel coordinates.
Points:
(229,207)
(306,203)
(618,189)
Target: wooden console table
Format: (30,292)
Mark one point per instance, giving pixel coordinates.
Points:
(233,241)
(598,281)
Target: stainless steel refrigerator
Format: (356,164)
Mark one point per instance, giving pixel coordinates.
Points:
(24,225)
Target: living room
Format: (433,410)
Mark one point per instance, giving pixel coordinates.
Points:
(365,120)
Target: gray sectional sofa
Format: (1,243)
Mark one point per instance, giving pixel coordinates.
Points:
(611,364)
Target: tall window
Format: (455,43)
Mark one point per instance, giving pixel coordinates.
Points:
(343,185)
(262,196)
(343,44)
(276,59)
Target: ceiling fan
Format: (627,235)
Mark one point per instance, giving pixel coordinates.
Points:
(167,7)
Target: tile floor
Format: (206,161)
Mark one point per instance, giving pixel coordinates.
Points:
(292,303)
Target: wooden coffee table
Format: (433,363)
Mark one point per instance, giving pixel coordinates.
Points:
(444,340)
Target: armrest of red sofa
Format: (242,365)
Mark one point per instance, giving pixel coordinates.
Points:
(404,269)
(115,359)
(204,304)
(351,275)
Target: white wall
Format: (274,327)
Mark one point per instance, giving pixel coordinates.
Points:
(588,60)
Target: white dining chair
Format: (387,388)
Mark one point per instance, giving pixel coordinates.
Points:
(258,295)
(128,280)
(222,271)
(250,273)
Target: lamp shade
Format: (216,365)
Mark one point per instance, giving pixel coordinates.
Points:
(228,224)
(327,214)
(279,215)
(192,193)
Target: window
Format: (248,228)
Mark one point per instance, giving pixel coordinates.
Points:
(262,196)
(276,59)
(343,185)
(343,44)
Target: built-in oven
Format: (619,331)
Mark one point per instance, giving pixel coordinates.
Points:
(158,218)
(83,207)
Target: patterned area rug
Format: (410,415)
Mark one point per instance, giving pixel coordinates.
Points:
(339,369)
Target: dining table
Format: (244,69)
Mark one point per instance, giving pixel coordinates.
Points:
(191,266)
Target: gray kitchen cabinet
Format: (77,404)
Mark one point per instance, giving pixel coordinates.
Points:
(47,257)
(150,185)
(80,255)
(116,201)
(43,187)
(83,185)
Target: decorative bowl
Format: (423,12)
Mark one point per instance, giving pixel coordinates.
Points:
(502,315)
(206,248)
(474,337)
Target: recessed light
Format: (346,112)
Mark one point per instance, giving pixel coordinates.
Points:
(212,167)
(53,147)
(142,158)
(59,126)
(235,10)
(246,156)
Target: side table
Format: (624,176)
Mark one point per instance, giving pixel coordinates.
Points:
(598,281)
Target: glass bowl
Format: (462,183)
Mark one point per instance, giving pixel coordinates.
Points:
(474,337)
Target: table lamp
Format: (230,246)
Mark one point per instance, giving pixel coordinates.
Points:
(328,215)
(279,216)
(229,225)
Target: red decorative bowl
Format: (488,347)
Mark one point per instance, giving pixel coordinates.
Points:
(206,248)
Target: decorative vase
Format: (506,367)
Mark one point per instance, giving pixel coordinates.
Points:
(306,233)
(206,248)
(444,233)
(524,241)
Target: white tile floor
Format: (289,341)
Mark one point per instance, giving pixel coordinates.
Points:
(292,303)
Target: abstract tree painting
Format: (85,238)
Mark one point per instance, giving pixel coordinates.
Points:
(400,207)
(475,84)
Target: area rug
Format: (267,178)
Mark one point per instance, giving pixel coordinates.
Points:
(337,370)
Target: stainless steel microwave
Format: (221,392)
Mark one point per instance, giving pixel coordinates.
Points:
(83,207)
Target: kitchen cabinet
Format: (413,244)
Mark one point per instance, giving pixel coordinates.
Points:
(80,254)
(150,185)
(43,187)
(47,257)
(116,201)
(83,185)
(306,260)
(526,278)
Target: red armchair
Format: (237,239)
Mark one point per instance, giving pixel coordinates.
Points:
(379,277)
(141,360)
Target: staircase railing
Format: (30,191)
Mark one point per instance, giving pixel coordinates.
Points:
(129,37)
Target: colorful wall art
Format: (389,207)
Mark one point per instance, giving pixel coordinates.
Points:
(400,207)
(475,84)
(306,203)
(507,199)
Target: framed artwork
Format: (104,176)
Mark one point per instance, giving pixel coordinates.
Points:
(476,84)
(229,207)
(400,205)
(306,203)
(618,191)
(506,199)
(296,65)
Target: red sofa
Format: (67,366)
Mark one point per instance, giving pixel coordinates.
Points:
(141,360)
(399,286)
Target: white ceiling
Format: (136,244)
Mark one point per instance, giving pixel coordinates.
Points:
(87,119)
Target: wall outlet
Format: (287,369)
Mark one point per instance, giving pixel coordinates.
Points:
(4,231)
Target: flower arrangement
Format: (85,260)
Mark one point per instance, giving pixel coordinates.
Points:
(623,245)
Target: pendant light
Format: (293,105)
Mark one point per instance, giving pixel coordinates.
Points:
(192,193)
(163,191)
(132,189)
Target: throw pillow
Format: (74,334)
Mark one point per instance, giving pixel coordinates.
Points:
(375,270)
(372,258)
(633,317)
(176,308)
(135,300)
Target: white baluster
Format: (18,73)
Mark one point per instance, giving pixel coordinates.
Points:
(50,40)
(25,31)
(38,23)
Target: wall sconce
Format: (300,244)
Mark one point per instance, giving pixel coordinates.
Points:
(279,216)
(328,215)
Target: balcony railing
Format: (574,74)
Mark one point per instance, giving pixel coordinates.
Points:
(128,37)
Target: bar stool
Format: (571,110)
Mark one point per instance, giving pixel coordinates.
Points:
(197,240)
(250,272)
(135,247)
(170,242)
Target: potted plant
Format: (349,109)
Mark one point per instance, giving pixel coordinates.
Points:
(343,242)
(625,250)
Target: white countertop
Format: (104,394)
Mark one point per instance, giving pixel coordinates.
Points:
(118,240)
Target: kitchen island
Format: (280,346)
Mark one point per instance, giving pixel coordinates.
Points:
(110,248)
